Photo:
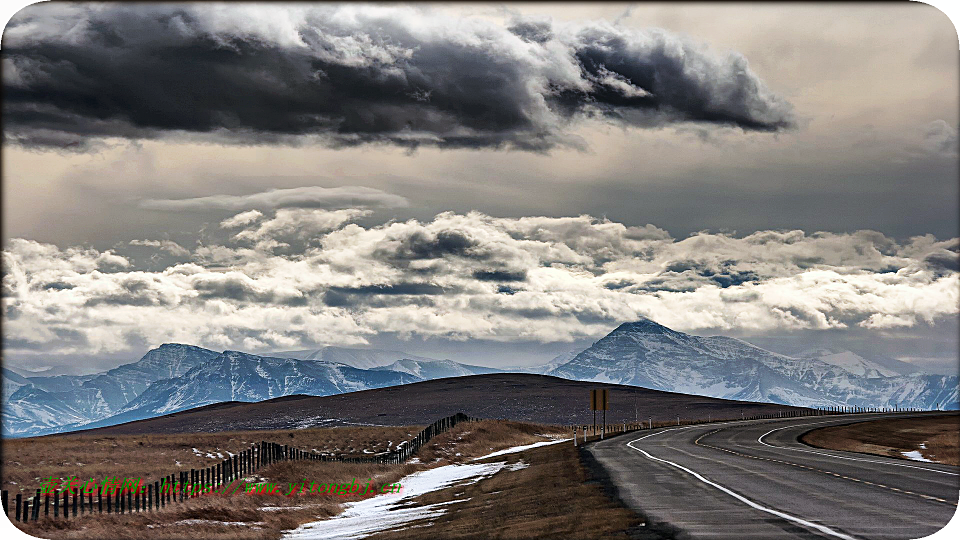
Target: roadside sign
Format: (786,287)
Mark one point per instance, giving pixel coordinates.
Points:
(600,400)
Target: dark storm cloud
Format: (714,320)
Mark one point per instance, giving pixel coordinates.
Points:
(943,260)
(347,75)
(723,275)
(500,275)
(57,286)
(129,292)
(419,245)
(373,295)
(397,288)
(240,288)
(531,30)
(665,82)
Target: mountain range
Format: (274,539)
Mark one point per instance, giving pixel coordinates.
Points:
(650,355)
(176,377)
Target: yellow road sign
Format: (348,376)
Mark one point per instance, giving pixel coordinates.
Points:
(600,400)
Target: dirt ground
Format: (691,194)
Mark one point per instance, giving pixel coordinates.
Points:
(937,438)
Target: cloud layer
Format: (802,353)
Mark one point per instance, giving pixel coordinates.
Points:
(465,276)
(302,197)
(345,75)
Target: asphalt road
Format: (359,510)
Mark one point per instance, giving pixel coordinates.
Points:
(754,479)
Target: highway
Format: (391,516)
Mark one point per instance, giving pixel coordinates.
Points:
(753,479)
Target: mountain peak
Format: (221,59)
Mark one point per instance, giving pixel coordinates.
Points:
(643,326)
(175,346)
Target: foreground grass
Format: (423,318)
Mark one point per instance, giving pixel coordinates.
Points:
(241,516)
(937,438)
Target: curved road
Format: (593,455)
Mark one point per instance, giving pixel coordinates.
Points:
(754,479)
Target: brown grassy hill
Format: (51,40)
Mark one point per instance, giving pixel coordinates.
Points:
(514,396)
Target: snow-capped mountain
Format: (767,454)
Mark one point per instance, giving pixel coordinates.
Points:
(358,358)
(435,369)
(50,401)
(12,381)
(30,410)
(650,355)
(174,377)
(856,364)
(237,376)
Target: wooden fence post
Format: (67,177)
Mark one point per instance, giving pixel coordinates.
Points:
(19,502)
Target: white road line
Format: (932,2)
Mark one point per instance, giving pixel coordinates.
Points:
(760,440)
(741,498)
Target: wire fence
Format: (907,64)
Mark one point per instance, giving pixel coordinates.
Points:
(183,485)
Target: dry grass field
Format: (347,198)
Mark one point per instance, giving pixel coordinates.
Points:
(239,516)
(550,495)
(27,461)
(937,438)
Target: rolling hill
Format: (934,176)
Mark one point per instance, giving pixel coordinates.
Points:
(516,396)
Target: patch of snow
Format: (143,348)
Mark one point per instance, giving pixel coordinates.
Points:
(516,449)
(916,456)
(368,516)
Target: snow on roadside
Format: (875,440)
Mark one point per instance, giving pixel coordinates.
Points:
(368,516)
(915,455)
(519,449)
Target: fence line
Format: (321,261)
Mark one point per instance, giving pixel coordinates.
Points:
(183,485)
(583,431)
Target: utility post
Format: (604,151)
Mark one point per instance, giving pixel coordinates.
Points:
(595,405)
(605,401)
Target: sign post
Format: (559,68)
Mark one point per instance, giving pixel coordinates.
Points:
(600,401)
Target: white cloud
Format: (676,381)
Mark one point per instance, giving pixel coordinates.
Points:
(940,138)
(169,246)
(302,197)
(241,219)
(468,276)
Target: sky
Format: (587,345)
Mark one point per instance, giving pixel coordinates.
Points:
(497,184)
